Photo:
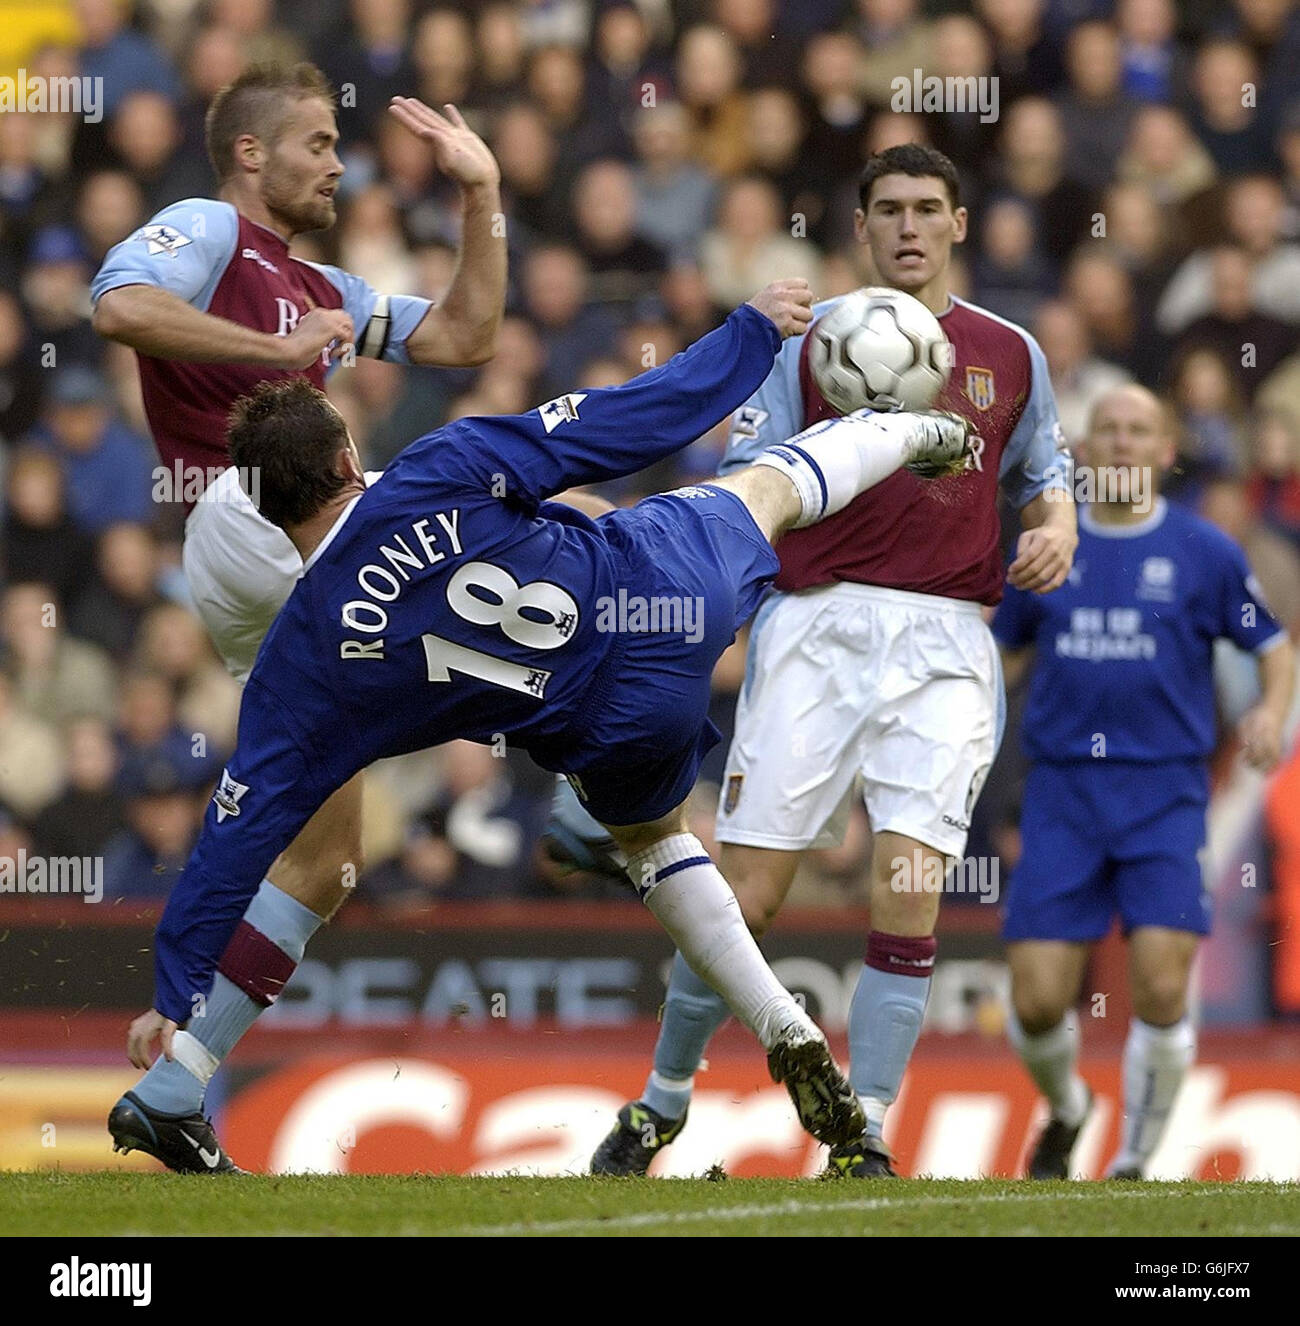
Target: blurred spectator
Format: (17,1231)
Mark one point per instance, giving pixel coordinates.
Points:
(54,677)
(535,194)
(838,108)
(1012,277)
(1025,61)
(373,57)
(1163,156)
(20,382)
(56,296)
(443,53)
(474,840)
(623,265)
(31,756)
(41,540)
(751,244)
(371,242)
(572,330)
(214,58)
(766,52)
(146,136)
(110,611)
(501,51)
(962,49)
(1288,150)
(708,75)
(776,136)
(88,812)
(895,40)
(262,40)
(1273,559)
(623,74)
(1096,112)
(1251,343)
(1273,488)
(1253,216)
(1079,378)
(1099,287)
(675,197)
(110,206)
(1209,414)
(164,809)
(106,467)
(1033,169)
(124,60)
(1226,118)
(1154,67)
(557,83)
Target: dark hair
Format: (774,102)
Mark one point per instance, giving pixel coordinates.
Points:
(909,159)
(284,440)
(257,103)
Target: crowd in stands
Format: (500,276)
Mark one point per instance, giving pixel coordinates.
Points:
(1135,202)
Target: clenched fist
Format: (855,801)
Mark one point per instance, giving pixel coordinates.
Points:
(786,303)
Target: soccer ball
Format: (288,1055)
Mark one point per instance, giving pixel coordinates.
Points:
(879,349)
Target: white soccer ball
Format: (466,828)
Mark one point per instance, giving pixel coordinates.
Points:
(879,349)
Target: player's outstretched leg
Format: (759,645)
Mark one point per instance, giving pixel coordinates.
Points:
(689,897)
(1045,982)
(162,1114)
(834,461)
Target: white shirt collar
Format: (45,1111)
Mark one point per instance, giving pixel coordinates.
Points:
(1139,527)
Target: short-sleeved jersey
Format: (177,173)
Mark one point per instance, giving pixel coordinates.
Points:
(929,537)
(1124,649)
(222,263)
(450,600)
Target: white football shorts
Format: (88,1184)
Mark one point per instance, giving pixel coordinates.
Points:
(852,685)
(241,569)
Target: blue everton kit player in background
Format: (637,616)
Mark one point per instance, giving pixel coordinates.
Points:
(1119,729)
(452,600)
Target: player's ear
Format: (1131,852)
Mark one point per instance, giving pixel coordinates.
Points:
(348,464)
(859,225)
(959,219)
(249,153)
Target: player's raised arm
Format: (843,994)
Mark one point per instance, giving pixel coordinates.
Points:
(607,432)
(462,329)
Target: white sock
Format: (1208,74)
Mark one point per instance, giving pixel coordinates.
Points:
(1051,1058)
(688,896)
(835,460)
(1156,1059)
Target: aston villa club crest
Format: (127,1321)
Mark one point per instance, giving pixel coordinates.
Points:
(732,797)
(979,388)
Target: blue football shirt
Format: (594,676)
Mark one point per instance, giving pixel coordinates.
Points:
(450,600)
(1124,649)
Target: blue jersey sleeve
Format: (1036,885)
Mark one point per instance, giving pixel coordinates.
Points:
(183,250)
(267,793)
(1246,619)
(381,322)
(1035,457)
(607,432)
(1015,623)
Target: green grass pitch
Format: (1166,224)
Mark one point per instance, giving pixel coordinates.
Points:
(115,1203)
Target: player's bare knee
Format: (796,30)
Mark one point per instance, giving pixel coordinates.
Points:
(1161,1000)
